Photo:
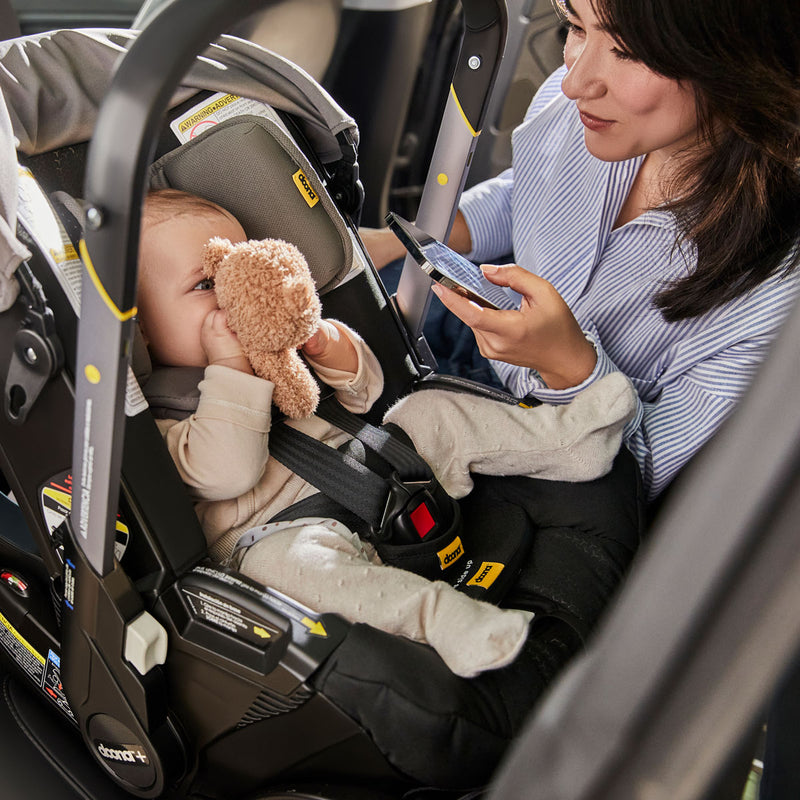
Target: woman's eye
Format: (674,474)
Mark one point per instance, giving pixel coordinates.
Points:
(204,285)
(573,28)
(622,55)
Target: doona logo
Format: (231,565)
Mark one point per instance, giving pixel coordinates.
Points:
(486,574)
(301,182)
(127,753)
(450,554)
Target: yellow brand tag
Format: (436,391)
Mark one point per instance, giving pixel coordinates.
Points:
(486,575)
(301,182)
(450,554)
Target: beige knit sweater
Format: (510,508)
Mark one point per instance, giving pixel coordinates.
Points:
(222,450)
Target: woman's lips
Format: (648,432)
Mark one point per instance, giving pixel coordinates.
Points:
(595,123)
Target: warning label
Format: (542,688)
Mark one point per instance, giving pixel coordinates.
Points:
(52,683)
(216,109)
(56,500)
(43,672)
(218,611)
(41,222)
(27,657)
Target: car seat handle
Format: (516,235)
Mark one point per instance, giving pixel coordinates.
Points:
(486,29)
(119,154)
(123,719)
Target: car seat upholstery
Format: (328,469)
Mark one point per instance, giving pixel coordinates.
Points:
(304,31)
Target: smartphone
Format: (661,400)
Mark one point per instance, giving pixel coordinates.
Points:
(449,268)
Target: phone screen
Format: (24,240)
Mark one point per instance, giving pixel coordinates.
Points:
(449,268)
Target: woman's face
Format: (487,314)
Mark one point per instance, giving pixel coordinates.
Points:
(626,109)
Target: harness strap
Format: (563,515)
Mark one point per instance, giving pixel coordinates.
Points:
(408,464)
(334,473)
(393,490)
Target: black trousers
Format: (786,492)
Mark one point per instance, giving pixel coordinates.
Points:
(781,778)
(447,731)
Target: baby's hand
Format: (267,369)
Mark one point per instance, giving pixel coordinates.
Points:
(329,347)
(221,344)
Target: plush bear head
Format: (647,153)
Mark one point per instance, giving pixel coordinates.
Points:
(266,289)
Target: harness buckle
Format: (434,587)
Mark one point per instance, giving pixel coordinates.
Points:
(412,512)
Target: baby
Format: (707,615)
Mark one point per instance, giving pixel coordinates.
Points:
(221,452)
(222,449)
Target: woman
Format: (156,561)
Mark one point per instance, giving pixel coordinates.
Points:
(652,209)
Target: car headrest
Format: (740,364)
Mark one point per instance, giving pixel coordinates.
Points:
(250,166)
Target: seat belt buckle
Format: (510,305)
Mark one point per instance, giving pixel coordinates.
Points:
(412,513)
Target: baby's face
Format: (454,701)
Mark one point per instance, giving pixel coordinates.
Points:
(174,295)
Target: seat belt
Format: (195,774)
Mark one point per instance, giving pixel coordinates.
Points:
(412,522)
(405,504)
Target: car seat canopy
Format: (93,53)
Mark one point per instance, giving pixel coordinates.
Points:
(53,84)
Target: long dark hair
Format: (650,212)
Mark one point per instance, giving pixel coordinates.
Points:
(739,198)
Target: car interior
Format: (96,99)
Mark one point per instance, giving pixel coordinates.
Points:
(100,550)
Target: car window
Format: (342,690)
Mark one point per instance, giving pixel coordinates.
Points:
(43,15)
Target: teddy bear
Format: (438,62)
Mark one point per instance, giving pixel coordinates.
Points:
(266,289)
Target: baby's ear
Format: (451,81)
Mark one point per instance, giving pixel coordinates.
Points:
(214,253)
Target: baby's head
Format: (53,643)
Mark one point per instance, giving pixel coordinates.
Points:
(174,295)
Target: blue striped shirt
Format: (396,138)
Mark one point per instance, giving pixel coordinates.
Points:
(555,210)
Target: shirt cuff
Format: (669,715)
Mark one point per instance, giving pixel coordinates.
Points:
(245,398)
(603,366)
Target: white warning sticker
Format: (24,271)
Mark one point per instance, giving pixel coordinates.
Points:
(216,109)
(46,229)
(56,503)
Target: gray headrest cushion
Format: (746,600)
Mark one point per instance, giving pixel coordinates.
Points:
(249,166)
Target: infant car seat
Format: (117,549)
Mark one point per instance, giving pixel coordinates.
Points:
(183,679)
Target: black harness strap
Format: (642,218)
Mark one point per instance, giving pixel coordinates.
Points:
(398,503)
(409,465)
(333,472)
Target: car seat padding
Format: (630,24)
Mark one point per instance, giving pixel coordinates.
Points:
(436,727)
(250,167)
(415,708)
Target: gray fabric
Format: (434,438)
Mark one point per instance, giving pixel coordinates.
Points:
(149,10)
(172,392)
(12,252)
(9,24)
(246,165)
(54,82)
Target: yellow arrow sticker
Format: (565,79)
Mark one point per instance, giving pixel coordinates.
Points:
(259,631)
(314,626)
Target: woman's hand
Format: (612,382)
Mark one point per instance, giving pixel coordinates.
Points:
(221,344)
(543,335)
(329,347)
(382,245)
